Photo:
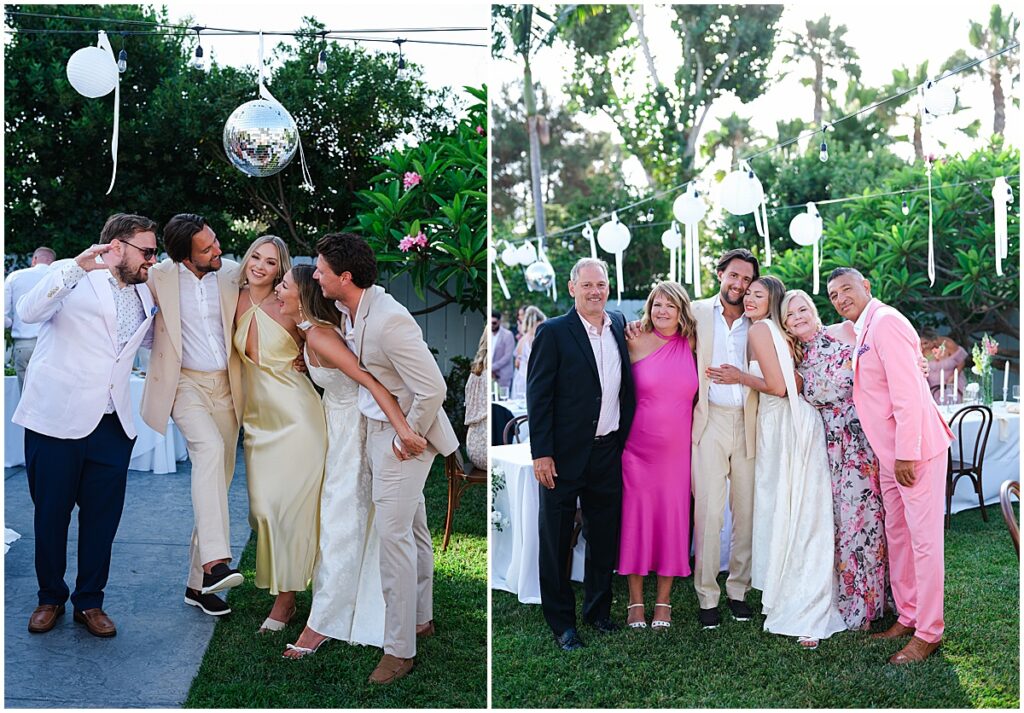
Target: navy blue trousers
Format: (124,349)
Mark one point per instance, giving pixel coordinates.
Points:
(90,472)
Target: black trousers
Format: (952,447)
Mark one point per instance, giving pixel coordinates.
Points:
(90,472)
(599,490)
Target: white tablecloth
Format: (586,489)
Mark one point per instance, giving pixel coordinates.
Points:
(1002,455)
(518,408)
(152,451)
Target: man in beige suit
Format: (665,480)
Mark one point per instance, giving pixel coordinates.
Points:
(724,433)
(195,377)
(389,345)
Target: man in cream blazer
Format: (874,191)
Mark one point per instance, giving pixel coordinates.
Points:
(389,345)
(195,377)
(94,312)
(724,434)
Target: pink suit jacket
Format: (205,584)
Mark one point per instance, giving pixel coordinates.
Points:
(890,393)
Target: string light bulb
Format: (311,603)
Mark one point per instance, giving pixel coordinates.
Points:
(905,208)
(122,61)
(321,60)
(401,58)
(823,153)
(650,215)
(197,61)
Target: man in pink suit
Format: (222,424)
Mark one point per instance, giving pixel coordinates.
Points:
(910,438)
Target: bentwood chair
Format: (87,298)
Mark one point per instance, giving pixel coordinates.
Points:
(458,481)
(1010,489)
(512,430)
(966,459)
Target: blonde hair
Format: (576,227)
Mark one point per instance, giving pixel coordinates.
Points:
(675,294)
(284,258)
(532,317)
(795,344)
(480,360)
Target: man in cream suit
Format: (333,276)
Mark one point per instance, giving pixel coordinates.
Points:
(389,345)
(910,438)
(95,313)
(724,434)
(195,377)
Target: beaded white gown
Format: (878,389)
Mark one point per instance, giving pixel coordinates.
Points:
(348,603)
(793,543)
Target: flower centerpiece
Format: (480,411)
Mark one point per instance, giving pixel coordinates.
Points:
(982,354)
(498,521)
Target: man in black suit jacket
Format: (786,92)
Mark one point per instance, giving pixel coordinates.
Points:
(580,399)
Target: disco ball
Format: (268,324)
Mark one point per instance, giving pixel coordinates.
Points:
(539,277)
(260,138)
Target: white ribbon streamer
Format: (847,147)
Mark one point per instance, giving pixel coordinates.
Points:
(307,179)
(693,257)
(1002,194)
(761,223)
(672,264)
(816,258)
(588,233)
(104,43)
(618,276)
(931,235)
(543,255)
(501,280)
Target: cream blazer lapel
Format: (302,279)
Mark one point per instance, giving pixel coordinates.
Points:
(166,284)
(227,282)
(100,282)
(362,312)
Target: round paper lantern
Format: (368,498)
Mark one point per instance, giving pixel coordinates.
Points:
(510,256)
(613,236)
(260,138)
(741,192)
(939,98)
(539,277)
(806,228)
(527,254)
(671,239)
(92,71)
(689,207)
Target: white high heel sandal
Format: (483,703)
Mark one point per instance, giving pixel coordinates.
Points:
(660,623)
(637,624)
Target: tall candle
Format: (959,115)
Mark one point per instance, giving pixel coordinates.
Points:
(1006,378)
(942,386)
(956,385)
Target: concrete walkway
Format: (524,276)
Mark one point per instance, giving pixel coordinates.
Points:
(160,640)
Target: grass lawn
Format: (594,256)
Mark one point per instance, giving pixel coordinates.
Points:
(740,666)
(243,670)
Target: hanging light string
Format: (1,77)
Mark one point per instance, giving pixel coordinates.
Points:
(799,206)
(823,128)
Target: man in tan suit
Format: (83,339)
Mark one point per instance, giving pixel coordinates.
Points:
(389,345)
(724,434)
(195,377)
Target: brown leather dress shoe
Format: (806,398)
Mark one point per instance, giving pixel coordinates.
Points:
(425,630)
(895,631)
(390,669)
(45,618)
(96,621)
(915,650)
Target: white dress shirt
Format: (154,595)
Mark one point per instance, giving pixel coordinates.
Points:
(17,284)
(202,328)
(368,405)
(729,347)
(609,371)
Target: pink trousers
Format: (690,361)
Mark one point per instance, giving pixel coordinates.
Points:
(915,536)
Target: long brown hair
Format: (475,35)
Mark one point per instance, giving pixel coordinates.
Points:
(315,307)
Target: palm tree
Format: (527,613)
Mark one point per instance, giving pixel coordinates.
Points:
(733,132)
(1000,33)
(826,47)
(515,25)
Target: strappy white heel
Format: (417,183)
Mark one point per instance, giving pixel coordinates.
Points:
(642,624)
(660,623)
(302,651)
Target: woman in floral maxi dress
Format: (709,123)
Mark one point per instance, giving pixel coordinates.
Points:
(827,372)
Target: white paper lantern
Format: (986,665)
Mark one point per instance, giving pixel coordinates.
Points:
(806,228)
(939,98)
(741,191)
(527,254)
(510,256)
(613,236)
(671,239)
(92,71)
(689,207)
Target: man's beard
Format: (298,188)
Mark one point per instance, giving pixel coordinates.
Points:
(129,277)
(725,298)
(206,268)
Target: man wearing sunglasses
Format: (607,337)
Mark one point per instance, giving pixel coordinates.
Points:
(195,377)
(94,313)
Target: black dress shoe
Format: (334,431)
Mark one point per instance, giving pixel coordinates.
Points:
(209,603)
(221,577)
(740,610)
(709,618)
(569,640)
(605,625)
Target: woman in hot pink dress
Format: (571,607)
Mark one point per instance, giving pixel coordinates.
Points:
(656,461)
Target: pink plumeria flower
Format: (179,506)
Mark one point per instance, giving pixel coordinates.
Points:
(410,179)
(412,241)
(480,130)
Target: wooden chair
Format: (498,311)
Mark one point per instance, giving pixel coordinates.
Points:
(458,481)
(511,434)
(970,457)
(1010,488)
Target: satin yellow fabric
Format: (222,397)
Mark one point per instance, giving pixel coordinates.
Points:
(285,449)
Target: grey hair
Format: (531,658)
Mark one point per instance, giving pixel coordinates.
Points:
(583,262)
(840,271)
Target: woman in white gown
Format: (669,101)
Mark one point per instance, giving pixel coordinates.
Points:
(792,549)
(347,600)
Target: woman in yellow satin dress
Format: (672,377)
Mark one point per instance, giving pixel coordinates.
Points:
(285,433)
